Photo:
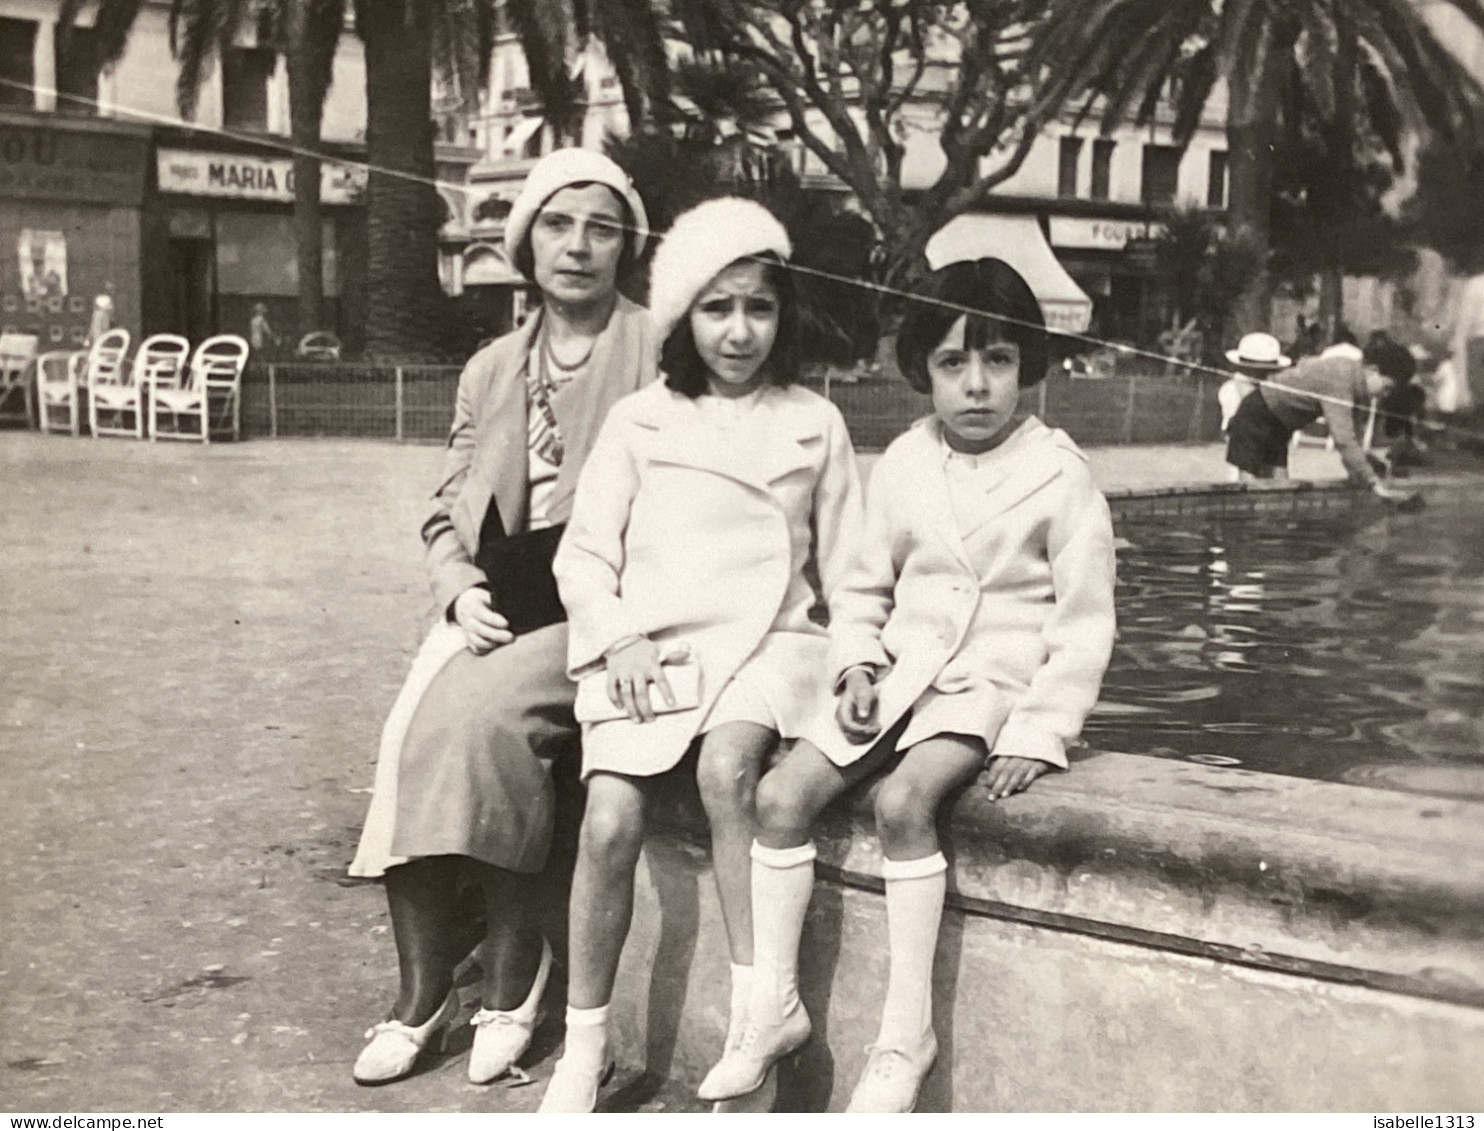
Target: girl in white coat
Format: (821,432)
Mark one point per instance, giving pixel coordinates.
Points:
(697,515)
(973,628)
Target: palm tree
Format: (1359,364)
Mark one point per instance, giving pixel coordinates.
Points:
(1131,53)
(307,32)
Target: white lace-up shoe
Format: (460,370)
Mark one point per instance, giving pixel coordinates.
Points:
(893,1077)
(742,1069)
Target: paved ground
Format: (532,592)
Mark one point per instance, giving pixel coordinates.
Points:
(198,648)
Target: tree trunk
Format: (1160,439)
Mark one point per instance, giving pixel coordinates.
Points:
(1341,146)
(1251,129)
(405,308)
(306,103)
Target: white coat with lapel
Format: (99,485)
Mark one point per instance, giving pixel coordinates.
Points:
(680,536)
(1002,629)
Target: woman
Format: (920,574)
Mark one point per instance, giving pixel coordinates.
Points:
(463,790)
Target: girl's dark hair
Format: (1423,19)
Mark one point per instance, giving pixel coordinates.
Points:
(1003,306)
(686,373)
(524,259)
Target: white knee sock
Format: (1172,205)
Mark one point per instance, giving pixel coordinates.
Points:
(914,909)
(741,994)
(782,881)
(587,1034)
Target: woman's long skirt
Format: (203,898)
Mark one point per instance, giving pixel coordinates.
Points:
(465,765)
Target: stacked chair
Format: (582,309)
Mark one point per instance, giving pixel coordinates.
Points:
(207,399)
(60,381)
(167,391)
(17,354)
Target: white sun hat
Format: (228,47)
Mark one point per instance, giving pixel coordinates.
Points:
(561,169)
(1258,351)
(703,241)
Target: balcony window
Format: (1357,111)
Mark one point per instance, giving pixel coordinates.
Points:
(1216,180)
(17,62)
(1161,174)
(77,72)
(1102,165)
(1066,169)
(246,72)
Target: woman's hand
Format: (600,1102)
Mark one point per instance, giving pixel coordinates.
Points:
(484,629)
(631,669)
(856,713)
(1008,774)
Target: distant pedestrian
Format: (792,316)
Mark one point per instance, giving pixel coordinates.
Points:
(1286,398)
(260,333)
(102,320)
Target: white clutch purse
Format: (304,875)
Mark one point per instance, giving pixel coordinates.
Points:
(681,672)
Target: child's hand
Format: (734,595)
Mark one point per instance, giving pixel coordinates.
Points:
(631,670)
(856,713)
(1009,775)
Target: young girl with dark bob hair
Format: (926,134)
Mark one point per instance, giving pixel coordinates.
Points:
(970,636)
(709,501)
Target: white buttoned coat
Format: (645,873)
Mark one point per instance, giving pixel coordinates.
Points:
(1002,629)
(681,536)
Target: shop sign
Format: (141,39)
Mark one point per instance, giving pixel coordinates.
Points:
(45,163)
(241,177)
(1104,235)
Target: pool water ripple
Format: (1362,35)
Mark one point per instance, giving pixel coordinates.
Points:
(1337,645)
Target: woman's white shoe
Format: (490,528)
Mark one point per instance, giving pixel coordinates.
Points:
(395,1045)
(501,1037)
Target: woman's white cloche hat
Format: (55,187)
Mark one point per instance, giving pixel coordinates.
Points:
(561,169)
(1258,351)
(703,241)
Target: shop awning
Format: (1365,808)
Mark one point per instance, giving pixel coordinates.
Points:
(1019,242)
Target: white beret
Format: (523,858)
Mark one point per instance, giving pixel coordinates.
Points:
(561,169)
(701,242)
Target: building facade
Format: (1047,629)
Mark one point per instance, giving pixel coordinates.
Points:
(1078,208)
(187,223)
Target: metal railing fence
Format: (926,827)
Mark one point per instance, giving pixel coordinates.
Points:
(415,403)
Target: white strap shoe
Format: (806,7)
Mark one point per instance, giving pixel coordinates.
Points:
(395,1045)
(501,1037)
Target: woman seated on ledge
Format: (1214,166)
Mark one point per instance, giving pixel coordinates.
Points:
(463,793)
(1288,397)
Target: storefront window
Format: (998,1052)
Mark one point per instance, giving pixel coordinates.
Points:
(17,62)
(1161,174)
(1066,173)
(1216,180)
(1102,166)
(246,72)
(77,72)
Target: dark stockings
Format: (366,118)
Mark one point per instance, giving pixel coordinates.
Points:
(435,928)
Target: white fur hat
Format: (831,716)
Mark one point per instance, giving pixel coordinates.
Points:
(701,242)
(560,169)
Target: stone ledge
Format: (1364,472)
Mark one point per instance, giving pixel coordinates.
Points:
(1340,883)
